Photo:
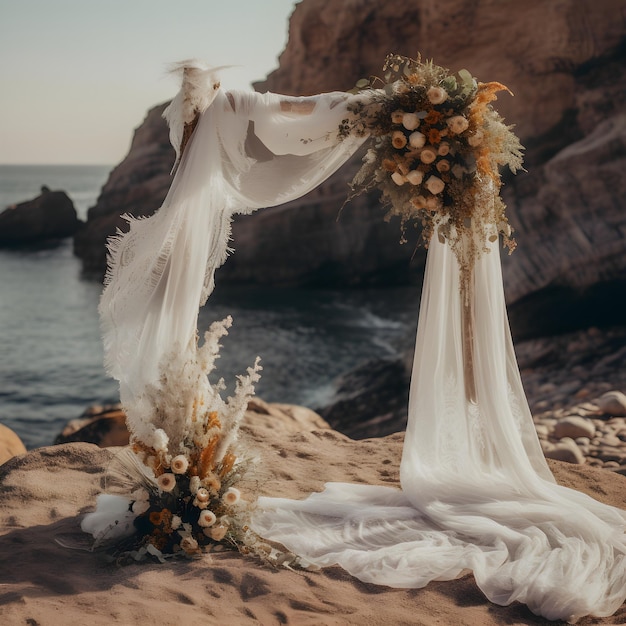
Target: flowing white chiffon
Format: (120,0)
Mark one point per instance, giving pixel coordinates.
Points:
(248,151)
(476,492)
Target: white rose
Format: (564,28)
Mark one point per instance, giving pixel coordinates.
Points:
(444,148)
(443,166)
(428,155)
(176,522)
(217,533)
(202,495)
(410,121)
(140,494)
(231,496)
(417,139)
(398,178)
(179,464)
(206,519)
(433,203)
(458,124)
(189,545)
(437,95)
(166,482)
(140,506)
(419,202)
(415,177)
(435,185)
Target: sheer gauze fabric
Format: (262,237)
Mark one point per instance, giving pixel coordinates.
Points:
(476,491)
(248,151)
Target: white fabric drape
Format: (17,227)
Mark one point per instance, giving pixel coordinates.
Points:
(248,151)
(476,491)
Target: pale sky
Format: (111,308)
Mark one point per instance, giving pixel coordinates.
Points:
(77,76)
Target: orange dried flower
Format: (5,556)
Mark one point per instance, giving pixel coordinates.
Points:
(486,92)
(205,464)
(158,539)
(166,520)
(434,136)
(433,117)
(156,517)
(389,165)
(227,464)
(213,421)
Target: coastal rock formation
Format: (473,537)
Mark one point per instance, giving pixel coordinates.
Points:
(137,186)
(44,493)
(10,444)
(105,426)
(370,400)
(572,383)
(565,62)
(51,215)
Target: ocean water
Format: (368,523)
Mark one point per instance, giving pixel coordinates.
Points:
(50,348)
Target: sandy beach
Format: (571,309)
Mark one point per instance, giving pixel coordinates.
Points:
(45,492)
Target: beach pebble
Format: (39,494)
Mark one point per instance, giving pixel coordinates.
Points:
(613,403)
(612,465)
(566,450)
(574,427)
(611,440)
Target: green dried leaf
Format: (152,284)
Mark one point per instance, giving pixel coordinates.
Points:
(449,84)
(466,78)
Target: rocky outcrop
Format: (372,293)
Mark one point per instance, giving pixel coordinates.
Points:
(10,444)
(370,400)
(105,426)
(572,382)
(51,215)
(137,186)
(565,62)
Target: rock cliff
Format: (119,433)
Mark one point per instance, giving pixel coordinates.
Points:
(137,186)
(565,62)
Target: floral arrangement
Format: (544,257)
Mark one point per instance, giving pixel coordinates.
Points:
(176,489)
(438,146)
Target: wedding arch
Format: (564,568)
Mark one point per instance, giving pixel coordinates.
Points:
(476,492)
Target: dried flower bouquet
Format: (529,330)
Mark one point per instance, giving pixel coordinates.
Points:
(437,151)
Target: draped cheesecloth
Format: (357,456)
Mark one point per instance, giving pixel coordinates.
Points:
(248,151)
(476,492)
